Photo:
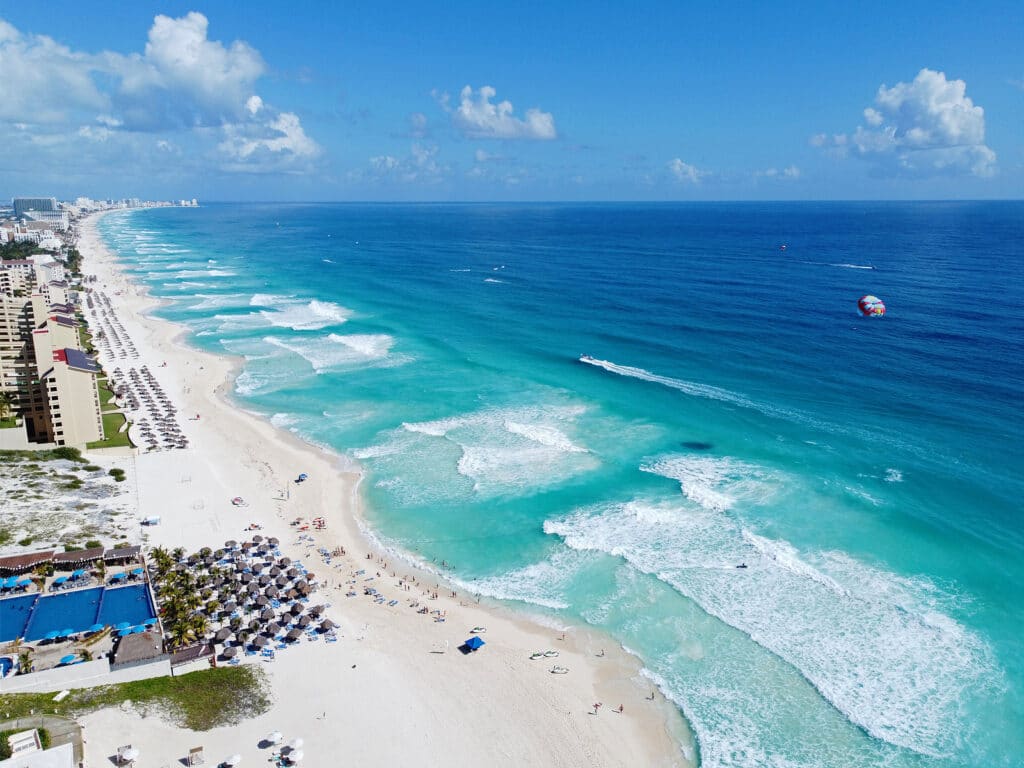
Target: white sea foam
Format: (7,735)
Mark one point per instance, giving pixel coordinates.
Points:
(283,420)
(510,450)
(219,300)
(492,280)
(334,351)
(894,663)
(852,266)
(311,316)
(544,583)
(186,273)
(715,483)
(269,300)
(893,475)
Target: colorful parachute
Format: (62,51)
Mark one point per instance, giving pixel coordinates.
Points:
(871,306)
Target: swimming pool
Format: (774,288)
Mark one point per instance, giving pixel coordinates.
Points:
(34,616)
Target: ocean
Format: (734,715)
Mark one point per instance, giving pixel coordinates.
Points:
(734,409)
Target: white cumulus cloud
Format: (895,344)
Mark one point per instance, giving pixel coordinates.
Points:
(686,172)
(925,127)
(183,84)
(480,118)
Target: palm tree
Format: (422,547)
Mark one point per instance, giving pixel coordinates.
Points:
(6,404)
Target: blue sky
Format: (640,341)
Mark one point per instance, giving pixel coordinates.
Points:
(528,101)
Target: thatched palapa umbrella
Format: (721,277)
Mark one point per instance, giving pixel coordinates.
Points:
(267,615)
(293,634)
(327,624)
(222,634)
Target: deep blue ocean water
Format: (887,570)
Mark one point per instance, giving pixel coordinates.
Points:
(737,410)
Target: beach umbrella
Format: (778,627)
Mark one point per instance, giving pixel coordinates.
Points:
(316,610)
(271,592)
(292,594)
(122,625)
(246,578)
(138,630)
(282,580)
(296,609)
(259,641)
(254,624)
(96,628)
(276,737)
(69,659)
(230,651)
(304,621)
(258,567)
(275,571)
(273,627)
(267,614)
(284,561)
(262,600)
(273,541)
(233,760)
(475,643)
(66,632)
(264,580)
(296,756)
(293,572)
(222,634)
(124,632)
(293,634)
(151,622)
(253,589)
(257,539)
(230,544)
(51,635)
(131,754)
(327,624)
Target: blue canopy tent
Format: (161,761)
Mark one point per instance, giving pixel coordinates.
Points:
(475,643)
(71,658)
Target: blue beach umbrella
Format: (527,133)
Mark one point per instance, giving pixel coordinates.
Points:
(23,583)
(124,632)
(138,630)
(52,635)
(136,571)
(78,574)
(69,659)
(66,632)
(60,579)
(475,643)
(96,628)
(122,625)
(149,622)
(119,576)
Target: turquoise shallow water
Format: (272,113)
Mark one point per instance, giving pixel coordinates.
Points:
(737,411)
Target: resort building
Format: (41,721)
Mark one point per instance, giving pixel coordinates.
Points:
(23,205)
(50,380)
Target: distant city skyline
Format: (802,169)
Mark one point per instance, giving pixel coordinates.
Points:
(538,101)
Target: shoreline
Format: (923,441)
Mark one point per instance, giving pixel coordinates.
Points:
(238,452)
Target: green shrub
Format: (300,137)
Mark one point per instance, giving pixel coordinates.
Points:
(25,542)
(92,544)
(116,473)
(66,452)
(91,468)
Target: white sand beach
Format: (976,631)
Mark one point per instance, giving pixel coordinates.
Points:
(394,690)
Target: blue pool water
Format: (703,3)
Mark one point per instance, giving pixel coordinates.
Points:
(77,610)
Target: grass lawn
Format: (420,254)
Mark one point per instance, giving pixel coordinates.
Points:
(199,700)
(8,423)
(106,396)
(111,424)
